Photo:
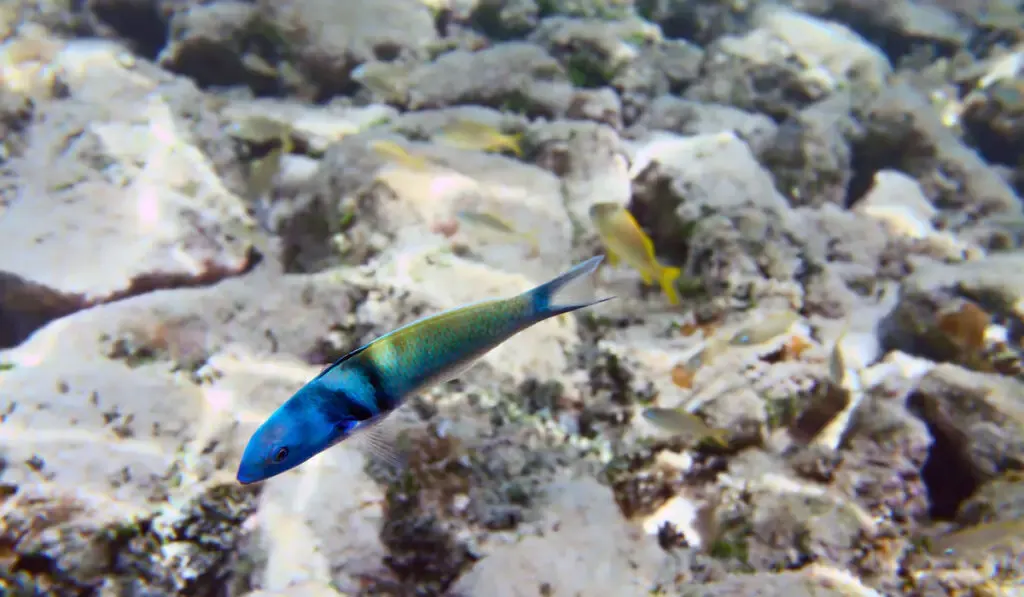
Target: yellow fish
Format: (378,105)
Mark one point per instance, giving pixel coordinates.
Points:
(683,423)
(477,136)
(624,239)
(400,155)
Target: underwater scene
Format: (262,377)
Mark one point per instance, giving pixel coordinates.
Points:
(511,298)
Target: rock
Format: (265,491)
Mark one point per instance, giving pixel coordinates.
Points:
(589,159)
(363,203)
(781,522)
(976,419)
(851,256)
(949,312)
(503,76)
(591,50)
(708,199)
(329,39)
(134,188)
(310,534)
(668,66)
(702,21)
(790,61)
(304,589)
(208,44)
(182,548)
(812,581)
(898,27)
(597,105)
(902,132)
(689,118)
(505,19)
(994,118)
(999,499)
(601,9)
(811,157)
(314,127)
(588,548)
(898,202)
(119,432)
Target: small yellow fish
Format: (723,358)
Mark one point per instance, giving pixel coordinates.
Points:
(680,422)
(498,224)
(624,239)
(477,136)
(762,331)
(979,538)
(400,155)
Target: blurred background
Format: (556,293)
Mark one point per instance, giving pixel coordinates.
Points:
(809,384)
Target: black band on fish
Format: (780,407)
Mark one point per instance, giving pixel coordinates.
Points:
(376,381)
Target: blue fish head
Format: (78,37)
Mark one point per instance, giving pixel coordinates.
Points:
(294,433)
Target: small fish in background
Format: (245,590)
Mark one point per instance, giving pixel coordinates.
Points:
(351,397)
(267,141)
(495,223)
(682,423)
(398,154)
(762,331)
(624,239)
(978,538)
(477,136)
(388,81)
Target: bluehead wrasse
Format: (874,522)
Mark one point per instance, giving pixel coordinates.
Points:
(353,395)
(624,239)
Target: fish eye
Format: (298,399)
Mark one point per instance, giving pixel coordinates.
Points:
(280,455)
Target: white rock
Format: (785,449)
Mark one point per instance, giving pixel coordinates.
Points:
(898,201)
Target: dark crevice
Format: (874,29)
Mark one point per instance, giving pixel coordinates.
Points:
(947,477)
(26,307)
(139,22)
(948,474)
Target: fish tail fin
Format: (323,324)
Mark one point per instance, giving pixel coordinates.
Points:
(514,143)
(720,437)
(668,278)
(542,297)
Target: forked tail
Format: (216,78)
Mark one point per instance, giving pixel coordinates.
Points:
(542,297)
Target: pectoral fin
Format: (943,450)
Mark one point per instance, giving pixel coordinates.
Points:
(378,439)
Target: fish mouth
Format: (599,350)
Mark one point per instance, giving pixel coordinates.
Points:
(247,479)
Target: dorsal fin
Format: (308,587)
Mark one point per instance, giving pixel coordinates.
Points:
(342,360)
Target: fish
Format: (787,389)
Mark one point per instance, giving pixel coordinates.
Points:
(387,80)
(496,223)
(351,397)
(624,239)
(269,141)
(680,422)
(762,331)
(400,155)
(478,136)
(979,537)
